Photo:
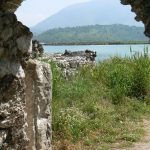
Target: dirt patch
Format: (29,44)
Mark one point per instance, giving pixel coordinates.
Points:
(144,144)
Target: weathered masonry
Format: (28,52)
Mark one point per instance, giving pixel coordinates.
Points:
(142,11)
(25,84)
(25,87)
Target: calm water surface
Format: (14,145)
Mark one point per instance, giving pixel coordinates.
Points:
(103,51)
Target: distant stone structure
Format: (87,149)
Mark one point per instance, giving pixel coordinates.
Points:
(69,62)
(88,54)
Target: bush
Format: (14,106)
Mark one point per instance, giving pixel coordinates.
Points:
(119,79)
(141,76)
(127,77)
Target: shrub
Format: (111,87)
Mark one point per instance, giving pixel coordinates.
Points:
(141,75)
(119,79)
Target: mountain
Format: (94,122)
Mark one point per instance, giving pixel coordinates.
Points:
(89,13)
(93,34)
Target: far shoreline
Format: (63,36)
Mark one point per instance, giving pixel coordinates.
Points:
(109,43)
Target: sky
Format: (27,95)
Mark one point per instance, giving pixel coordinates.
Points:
(33,11)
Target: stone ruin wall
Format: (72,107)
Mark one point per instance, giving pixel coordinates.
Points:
(69,63)
(142,11)
(25,84)
(25,88)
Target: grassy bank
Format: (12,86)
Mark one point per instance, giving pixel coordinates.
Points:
(101,107)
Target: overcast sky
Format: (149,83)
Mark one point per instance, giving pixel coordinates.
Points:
(33,11)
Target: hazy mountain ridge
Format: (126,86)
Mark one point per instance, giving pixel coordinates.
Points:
(93,34)
(89,13)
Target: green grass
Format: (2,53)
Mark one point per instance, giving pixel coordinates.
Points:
(101,107)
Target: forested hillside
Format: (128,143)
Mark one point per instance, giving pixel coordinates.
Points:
(94,34)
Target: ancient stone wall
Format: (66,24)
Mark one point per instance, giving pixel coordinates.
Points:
(37,49)
(69,62)
(15,44)
(10,5)
(142,11)
(25,90)
(38,103)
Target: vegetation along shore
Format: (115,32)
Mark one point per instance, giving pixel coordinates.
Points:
(102,106)
(98,43)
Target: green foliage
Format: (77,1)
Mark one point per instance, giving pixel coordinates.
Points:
(93,34)
(127,77)
(101,105)
(72,123)
(57,78)
(118,79)
(141,76)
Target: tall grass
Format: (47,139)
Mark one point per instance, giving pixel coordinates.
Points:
(101,105)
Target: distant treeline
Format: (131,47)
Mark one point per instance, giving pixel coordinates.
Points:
(94,34)
(100,43)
